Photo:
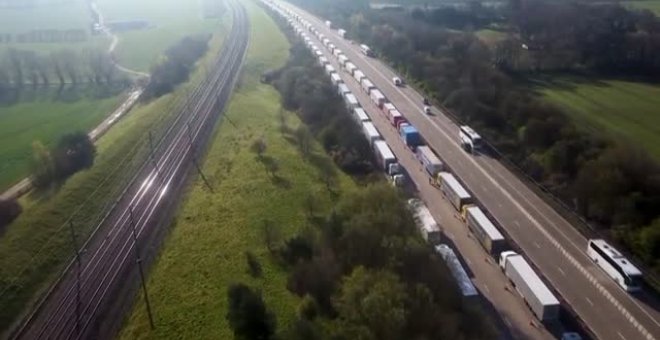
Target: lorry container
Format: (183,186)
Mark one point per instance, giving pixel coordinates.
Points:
(323,61)
(367,85)
(360,115)
(528,284)
(329,69)
(342,33)
(377,97)
(484,230)
(350,67)
(370,132)
(342,60)
(342,89)
(394,116)
(351,101)
(328,23)
(331,47)
(336,52)
(429,160)
(410,136)
(325,41)
(387,107)
(335,79)
(318,53)
(425,221)
(457,271)
(453,190)
(385,157)
(358,75)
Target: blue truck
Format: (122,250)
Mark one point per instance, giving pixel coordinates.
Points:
(410,136)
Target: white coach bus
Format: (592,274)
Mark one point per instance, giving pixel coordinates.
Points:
(470,140)
(615,265)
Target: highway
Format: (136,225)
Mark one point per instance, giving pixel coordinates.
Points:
(83,302)
(555,247)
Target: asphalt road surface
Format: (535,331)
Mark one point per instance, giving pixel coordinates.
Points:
(108,261)
(555,247)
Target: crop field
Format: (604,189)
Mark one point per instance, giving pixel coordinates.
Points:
(44,115)
(652,5)
(205,251)
(170,20)
(624,109)
(34,248)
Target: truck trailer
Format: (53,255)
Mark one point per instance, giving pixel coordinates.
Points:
(367,85)
(342,33)
(377,97)
(350,67)
(429,160)
(360,115)
(385,158)
(394,116)
(329,69)
(335,79)
(457,271)
(536,294)
(342,60)
(453,190)
(425,221)
(410,136)
(358,75)
(370,132)
(351,101)
(484,230)
(387,107)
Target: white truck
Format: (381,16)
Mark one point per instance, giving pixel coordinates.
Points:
(425,221)
(335,79)
(323,61)
(329,69)
(429,160)
(536,294)
(484,230)
(358,75)
(350,67)
(342,33)
(367,85)
(351,101)
(453,190)
(377,97)
(342,60)
(457,271)
(328,23)
(342,89)
(370,132)
(360,115)
(385,157)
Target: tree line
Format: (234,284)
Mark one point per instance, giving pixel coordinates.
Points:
(614,185)
(179,60)
(362,270)
(22,67)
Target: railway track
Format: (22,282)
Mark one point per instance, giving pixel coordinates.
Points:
(77,305)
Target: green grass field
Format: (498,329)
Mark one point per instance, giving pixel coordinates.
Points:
(34,248)
(625,109)
(44,115)
(204,252)
(652,5)
(172,20)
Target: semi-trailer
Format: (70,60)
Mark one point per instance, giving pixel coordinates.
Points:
(325,41)
(351,101)
(410,136)
(377,97)
(367,85)
(328,23)
(342,89)
(429,160)
(360,115)
(350,67)
(385,158)
(425,221)
(453,190)
(394,116)
(358,75)
(457,271)
(335,79)
(342,60)
(336,52)
(342,33)
(387,107)
(370,132)
(484,230)
(329,69)
(323,61)
(331,47)
(540,300)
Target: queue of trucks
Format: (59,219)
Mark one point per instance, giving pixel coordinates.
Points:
(541,301)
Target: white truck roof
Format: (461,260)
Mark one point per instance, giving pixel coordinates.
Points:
(377,94)
(350,99)
(361,114)
(350,65)
(457,270)
(384,150)
(370,129)
(422,213)
(335,78)
(456,187)
(343,88)
(485,223)
(389,106)
(358,74)
(329,68)
(428,154)
(539,288)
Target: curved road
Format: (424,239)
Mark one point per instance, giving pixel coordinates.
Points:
(87,302)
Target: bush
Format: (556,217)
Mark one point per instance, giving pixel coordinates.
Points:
(254,267)
(9,210)
(247,315)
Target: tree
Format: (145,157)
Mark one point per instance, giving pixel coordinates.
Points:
(371,305)
(248,316)
(74,152)
(42,166)
(259,147)
(9,210)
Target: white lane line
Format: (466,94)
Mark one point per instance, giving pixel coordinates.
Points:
(621,336)
(486,289)
(516,223)
(537,245)
(561,271)
(589,300)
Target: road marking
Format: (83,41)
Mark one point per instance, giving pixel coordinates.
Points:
(561,271)
(468,262)
(537,245)
(589,300)
(516,223)
(621,336)
(486,289)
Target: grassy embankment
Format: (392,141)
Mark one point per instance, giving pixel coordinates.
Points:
(205,251)
(35,247)
(652,5)
(623,109)
(171,20)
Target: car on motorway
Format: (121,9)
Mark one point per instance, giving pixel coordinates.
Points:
(397,81)
(427,109)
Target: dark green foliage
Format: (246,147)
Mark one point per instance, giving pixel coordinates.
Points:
(254,267)
(297,248)
(73,152)
(247,315)
(175,69)
(9,210)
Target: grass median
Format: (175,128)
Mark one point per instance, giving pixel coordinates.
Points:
(205,251)
(35,247)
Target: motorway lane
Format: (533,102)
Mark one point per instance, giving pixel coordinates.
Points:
(102,271)
(516,317)
(525,217)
